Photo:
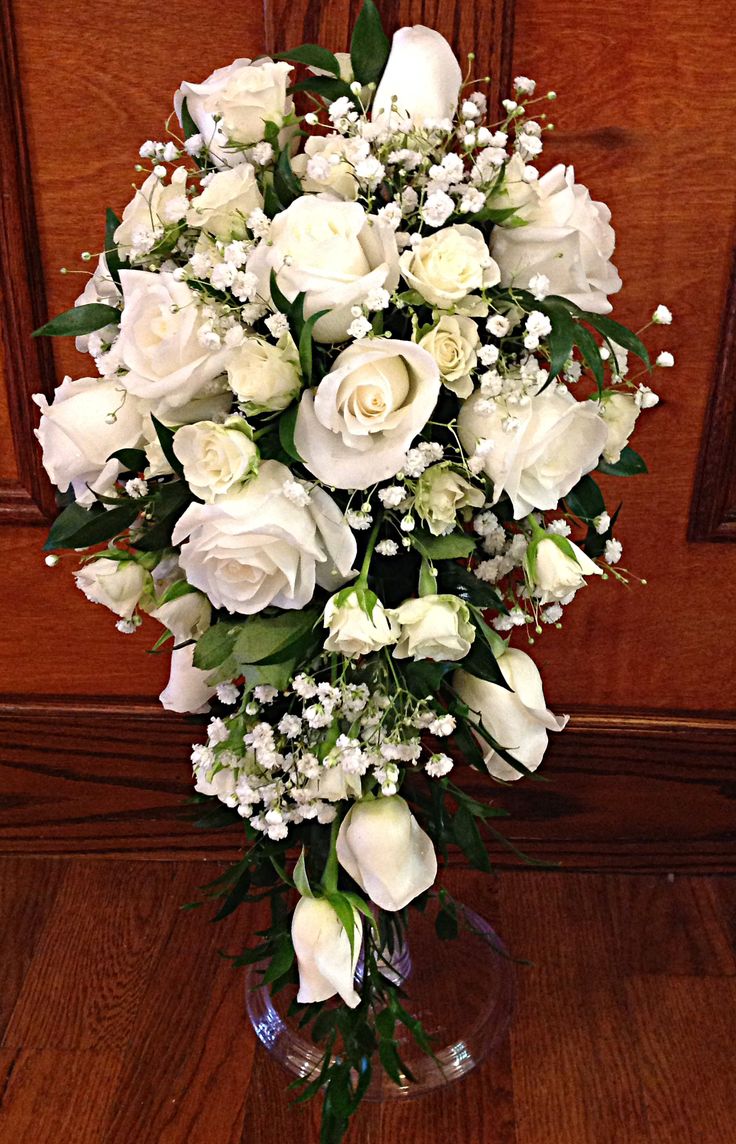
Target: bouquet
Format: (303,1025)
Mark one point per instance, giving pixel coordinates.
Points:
(353,376)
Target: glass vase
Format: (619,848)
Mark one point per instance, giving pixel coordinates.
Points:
(461,989)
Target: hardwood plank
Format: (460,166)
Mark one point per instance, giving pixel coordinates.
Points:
(52,1096)
(190,1052)
(684,1033)
(26,900)
(85,984)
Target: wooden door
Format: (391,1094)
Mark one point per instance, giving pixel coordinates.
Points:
(646,97)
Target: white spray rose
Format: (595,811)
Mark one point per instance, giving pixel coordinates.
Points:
(353,631)
(333,784)
(221,785)
(556,567)
(441,494)
(333,252)
(187,616)
(217,459)
(258,547)
(322,947)
(88,420)
(264,377)
(187,690)
(433,627)
(159,344)
(339,177)
(567,238)
(355,428)
(448,265)
(100,288)
(226,202)
(619,411)
(452,343)
(155,206)
(518,720)
(245,95)
(384,849)
(421,79)
(555,441)
(118,584)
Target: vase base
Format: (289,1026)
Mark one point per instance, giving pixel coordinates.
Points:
(461,989)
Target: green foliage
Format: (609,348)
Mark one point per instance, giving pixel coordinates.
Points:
(454,545)
(77,527)
(112,257)
(629,464)
(166,440)
(285,183)
(586,500)
(460,581)
(132,460)
(312,55)
(79,320)
(369,47)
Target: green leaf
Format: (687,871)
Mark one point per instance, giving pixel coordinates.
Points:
(215,645)
(586,500)
(279,299)
(313,56)
(629,464)
(496,215)
(167,505)
(79,320)
(590,350)
(272,204)
(301,879)
(305,344)
(268,639)
(327,88)
(459,581)
(132,460)
(189,127)
(96,528)
(287,424)
(66,524)
(481,662)
(369,46)
(346,914)
(619,334)
(285,182)
(445,923)
(282,960)
(450,547)
(467,836)
(391,1062)
(561,336)
(166,440)
(112,222)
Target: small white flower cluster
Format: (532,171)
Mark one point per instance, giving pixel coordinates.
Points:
(288,757)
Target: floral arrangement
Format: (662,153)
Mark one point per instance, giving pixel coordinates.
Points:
(354,371)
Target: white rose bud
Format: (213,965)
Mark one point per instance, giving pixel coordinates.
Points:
(340,178)
(217,459)
(186,617)
(433,627)
(383,848)
(264,377)
(619,411)
(421,79)
(322,947)
(441,494)
(556,567)
(452,343)
(448,265)
(225,203)
(353,631)
(118,584)
(518,720)
(187,691)
(150,211)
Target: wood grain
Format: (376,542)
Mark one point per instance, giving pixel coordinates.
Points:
(617,1040)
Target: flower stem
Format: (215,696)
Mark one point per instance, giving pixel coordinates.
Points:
(329,875)
(365,567)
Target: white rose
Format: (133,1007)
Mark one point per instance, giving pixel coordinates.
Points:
(118,584)
(221,785)
(264,377)
(340,177)
(384,849)
(452,343)
(154,207)
(352,631)
(259,548)
(333,252)
(217,459)
(421,79)
(448,265)
(245,95)
(225,203)
(567,238)
(553,572)
(158,341)
(186,617)
(322,947)
(441,494)
(556,440)
(187,690)
(77,434)
(619,411)
(518,720)
(433,627)
(333,784)
(355,428)
(100,288)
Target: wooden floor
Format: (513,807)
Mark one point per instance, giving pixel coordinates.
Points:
(122,1025)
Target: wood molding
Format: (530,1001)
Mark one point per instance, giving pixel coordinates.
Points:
(633,790)
(713,509)
(28,362)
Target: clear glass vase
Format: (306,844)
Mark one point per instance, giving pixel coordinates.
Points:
(461,989)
